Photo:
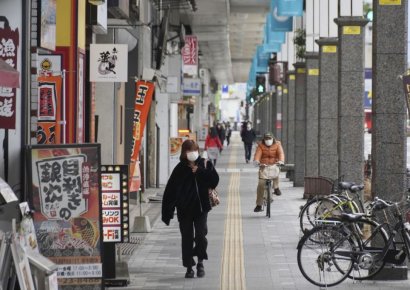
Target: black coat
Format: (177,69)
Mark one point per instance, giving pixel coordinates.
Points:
(181,191)
(248,136)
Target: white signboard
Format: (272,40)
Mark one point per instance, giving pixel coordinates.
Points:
(49,64)
(192,87)
(108,62)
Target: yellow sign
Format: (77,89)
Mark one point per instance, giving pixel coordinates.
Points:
(285,91)
(329,48)
(389,2)
(301,70)
(351,30)
(313,72)
(292,77)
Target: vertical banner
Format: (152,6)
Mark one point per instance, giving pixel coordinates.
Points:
(9,42)
(190,55)
(406,84)
(80,102)
(49,110)
(142,104)
(65,194)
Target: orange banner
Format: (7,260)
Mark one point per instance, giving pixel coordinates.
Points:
(143,99)
(49,110)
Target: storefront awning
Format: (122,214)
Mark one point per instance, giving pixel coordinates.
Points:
(9,77)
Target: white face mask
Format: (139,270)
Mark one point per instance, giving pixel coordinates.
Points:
(192,156)
(269,142)
(249,127)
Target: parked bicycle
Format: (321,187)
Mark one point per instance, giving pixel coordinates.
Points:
(355,246)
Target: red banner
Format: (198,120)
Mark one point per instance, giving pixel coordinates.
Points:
(143,99)
(9,42)
(190,50)
(49,110)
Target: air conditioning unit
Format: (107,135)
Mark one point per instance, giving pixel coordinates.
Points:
(119,9)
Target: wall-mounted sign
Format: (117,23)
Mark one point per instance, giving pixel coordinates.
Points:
(47,24)
(192,87)
(390,2)
(49,64)
(329,48)
(351,30)
(64,191)
(313,71)
(108,62)
(115,203)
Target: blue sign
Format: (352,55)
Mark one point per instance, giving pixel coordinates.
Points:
(225,89)
(278,22)
(290,7)
(271,48)
(192,87)
(262,59)
(271,36)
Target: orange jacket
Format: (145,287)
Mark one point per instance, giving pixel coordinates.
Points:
(269,154)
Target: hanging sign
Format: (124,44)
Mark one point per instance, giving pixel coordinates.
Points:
(289,7)
(189,55)
(142,104)
(9,42)
(65,192)
(108,62)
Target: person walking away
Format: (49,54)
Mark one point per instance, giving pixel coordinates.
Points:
(213,145)
(187,191)
(248,137)
(221,133)
(268,152)
(228,134)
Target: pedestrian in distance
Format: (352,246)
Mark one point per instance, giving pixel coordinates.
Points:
(248,137)
(221,133)
(268,152)
(213,145)
(187,191)
(228,134)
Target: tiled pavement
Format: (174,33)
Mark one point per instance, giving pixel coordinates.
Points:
(269,245)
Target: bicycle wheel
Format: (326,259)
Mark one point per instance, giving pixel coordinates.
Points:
(328,262)
(371,240)
(268,198)
(309,212)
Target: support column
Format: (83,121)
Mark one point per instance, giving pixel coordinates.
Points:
(272,116)
(290,153)
(350,104)
(284,110)
(312,114)
(300,119)
(328,99)
(389,106)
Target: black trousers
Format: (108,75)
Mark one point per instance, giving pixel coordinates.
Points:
(193,230)
(248,150)
(228,140)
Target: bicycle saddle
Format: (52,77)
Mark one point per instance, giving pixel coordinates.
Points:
(351,217)
(357,187)
(353,187)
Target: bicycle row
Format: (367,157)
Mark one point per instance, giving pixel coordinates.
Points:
(345,237)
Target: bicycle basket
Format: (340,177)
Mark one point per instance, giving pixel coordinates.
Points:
(269,172)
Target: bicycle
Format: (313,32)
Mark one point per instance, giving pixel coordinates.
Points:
(324,207)
(354,247)
(268,172)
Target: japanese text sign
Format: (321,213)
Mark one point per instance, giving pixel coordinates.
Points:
(190,55)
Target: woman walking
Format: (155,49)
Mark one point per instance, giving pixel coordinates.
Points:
(187,191)
(213,145)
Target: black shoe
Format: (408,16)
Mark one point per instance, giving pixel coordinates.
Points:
(277,191)
(258,208)
(247,161)
(200,270)
(189,273)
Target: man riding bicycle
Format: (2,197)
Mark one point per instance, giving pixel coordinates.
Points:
(268,152)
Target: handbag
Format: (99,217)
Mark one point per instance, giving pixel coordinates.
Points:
(213,197)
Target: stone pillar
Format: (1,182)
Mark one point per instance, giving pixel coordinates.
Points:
(290,153)
(279,113)
(300,120)
(328,99)
(284,110)
(389,106)
(312,114)
(350,104)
